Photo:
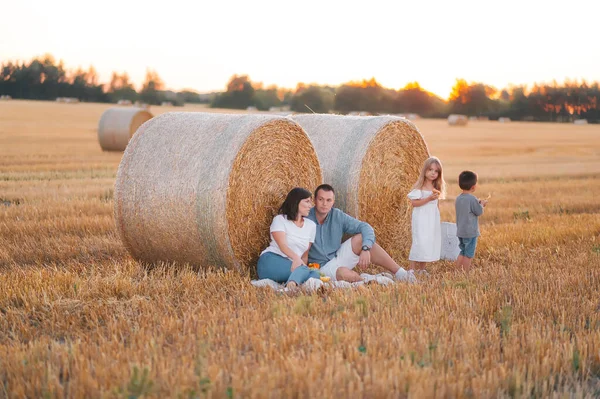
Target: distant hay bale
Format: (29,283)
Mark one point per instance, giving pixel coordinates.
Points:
(580,122)
(203,188)
(139,104)
(117,126)
(457,120)
(67,100)
(166,104)
(503,119)
(410,117)
(124,102)
(372,163)
(5,97)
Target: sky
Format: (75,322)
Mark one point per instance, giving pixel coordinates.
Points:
(200,45)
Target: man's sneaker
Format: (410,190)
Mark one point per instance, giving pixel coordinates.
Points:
(407,276)
(378,278)
(386,274)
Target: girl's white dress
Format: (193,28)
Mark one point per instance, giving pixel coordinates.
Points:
(426,229)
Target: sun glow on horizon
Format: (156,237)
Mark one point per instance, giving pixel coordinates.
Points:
(204,46)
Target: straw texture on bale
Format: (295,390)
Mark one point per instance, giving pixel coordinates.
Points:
(203,188)
(457,120)
(117,126)
(372,163)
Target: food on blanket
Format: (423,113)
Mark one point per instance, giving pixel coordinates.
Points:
(325,279)
(314,266)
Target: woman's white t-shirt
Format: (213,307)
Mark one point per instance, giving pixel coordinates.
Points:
(298,238)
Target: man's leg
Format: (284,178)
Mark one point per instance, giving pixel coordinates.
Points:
(378,255)
(381,258)
(346,274)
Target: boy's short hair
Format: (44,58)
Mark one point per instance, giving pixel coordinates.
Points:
(467,179)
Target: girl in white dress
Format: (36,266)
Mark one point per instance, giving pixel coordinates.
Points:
(426,228)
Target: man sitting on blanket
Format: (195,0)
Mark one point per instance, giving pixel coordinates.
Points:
(338,259)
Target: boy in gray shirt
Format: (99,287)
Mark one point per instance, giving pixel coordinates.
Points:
(468,210)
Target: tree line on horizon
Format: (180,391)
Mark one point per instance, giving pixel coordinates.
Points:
(45,79)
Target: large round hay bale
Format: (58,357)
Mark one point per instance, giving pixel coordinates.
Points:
(372,163)
(117,126)
(203,188)
(457,120)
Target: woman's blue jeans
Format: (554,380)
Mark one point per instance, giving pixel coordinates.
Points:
(277,268)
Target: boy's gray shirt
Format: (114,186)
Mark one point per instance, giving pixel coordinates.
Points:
(329,234)
(468,210)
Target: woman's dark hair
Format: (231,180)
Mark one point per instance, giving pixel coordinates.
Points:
(289,207)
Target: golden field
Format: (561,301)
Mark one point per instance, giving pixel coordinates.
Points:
(79,318)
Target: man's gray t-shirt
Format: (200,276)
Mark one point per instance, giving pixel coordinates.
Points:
(468,210)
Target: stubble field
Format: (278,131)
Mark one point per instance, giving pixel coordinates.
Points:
(80,318)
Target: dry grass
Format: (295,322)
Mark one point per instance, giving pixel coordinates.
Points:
(79,318)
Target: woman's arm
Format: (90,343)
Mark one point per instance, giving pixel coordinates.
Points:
(305,254)
(280,239)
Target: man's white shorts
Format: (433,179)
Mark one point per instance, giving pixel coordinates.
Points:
(344,257)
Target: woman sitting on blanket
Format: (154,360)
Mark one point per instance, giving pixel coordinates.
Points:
(285,259)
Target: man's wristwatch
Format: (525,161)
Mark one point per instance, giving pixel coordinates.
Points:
(366,248)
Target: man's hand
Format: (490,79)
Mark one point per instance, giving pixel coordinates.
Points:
(483,203)
(364,259)
(296,262)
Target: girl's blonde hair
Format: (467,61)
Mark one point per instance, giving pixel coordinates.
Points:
(438,183)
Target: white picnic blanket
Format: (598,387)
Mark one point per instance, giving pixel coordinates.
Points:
(313,284)
(450,249)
